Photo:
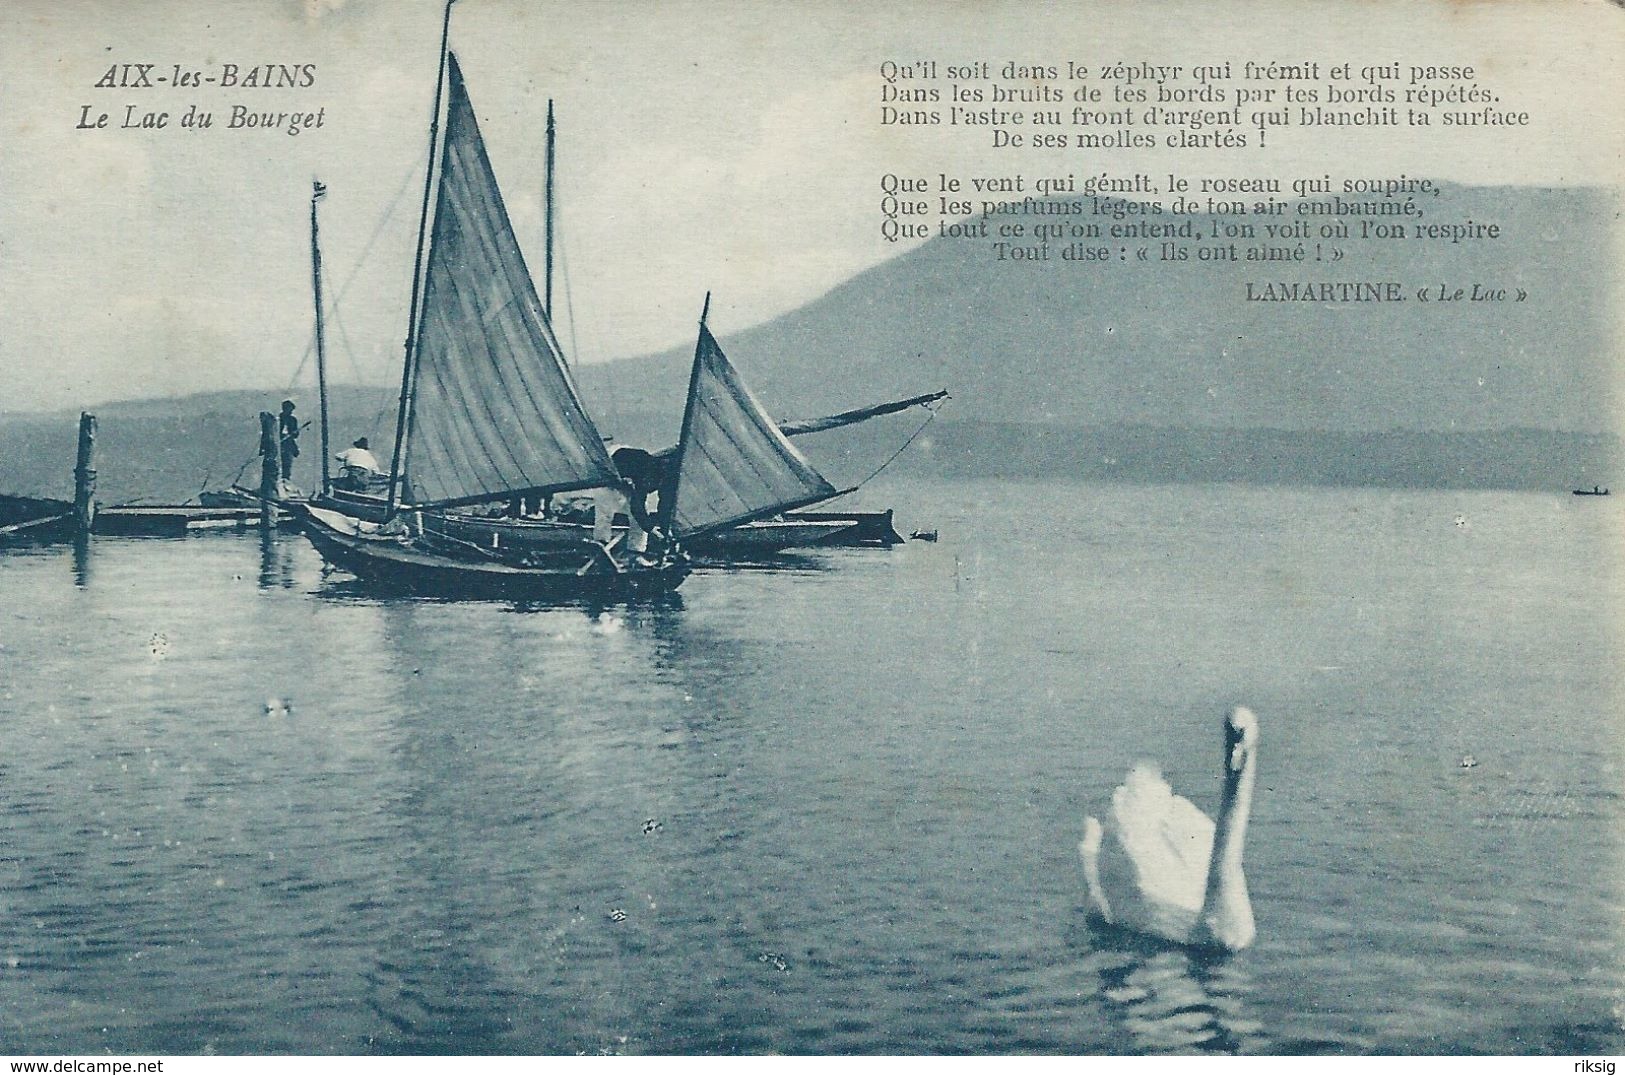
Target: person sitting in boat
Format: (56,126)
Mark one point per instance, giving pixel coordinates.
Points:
(360,466)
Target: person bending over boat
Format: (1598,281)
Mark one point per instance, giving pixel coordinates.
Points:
(361,467)
(607,503)
(640,478)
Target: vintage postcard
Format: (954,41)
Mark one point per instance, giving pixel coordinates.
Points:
(713,527)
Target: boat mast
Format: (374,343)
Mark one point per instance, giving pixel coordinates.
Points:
(317,191)
(547,255)
(409,367)
(668,493)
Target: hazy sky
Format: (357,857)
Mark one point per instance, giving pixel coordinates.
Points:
(703,145)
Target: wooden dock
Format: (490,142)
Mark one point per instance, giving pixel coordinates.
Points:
(152,520)
(28,520)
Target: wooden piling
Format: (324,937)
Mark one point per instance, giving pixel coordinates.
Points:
(270,468)
(84,475)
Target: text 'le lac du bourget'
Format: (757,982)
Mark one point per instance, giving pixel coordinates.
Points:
(140,115)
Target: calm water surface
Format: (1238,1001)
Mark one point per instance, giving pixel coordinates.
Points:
(831,807)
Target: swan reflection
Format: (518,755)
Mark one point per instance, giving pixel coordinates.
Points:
(1172,1001)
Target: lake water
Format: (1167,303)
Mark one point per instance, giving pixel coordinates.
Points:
(832,807)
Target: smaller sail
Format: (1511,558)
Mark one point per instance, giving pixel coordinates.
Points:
(734,465)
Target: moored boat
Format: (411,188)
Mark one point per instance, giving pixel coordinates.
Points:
(733,465)
(25,519)
(406,562)
(489,412)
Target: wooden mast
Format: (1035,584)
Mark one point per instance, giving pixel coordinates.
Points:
(316,193)
(547,254)
(409,367)
(668,492)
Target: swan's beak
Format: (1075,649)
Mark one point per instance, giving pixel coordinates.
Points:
(1241,735)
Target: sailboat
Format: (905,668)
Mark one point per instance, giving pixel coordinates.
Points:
(726,409)
(522,532)
(807,529)
(488,409)
(733,464)
(779,532)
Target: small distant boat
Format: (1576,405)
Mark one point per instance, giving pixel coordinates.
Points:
(288,510)
(1595,490)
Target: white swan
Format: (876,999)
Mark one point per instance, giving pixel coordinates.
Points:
(1159,866)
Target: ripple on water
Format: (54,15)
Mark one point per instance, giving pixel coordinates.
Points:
(868,783)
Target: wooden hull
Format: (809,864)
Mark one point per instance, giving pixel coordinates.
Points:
(866,528)
(519,535)
(771,535)
(818,529)
(794,530)
(403,566)
(356,505)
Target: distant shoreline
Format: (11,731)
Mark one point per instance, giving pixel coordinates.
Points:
(164,451)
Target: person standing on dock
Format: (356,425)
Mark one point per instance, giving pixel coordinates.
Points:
(288,439)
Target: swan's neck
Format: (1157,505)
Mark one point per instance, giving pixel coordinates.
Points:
(1227,913)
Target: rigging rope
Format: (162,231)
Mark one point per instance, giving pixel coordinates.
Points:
(569,296)
(578,367)
(332,307)
(929,418)
(366,251)
(388,391)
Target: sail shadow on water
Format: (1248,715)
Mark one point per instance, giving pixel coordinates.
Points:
(434,996)
(442,978)
(336,584)
(651,608)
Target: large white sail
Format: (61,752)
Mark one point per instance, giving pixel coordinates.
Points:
(494,411)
